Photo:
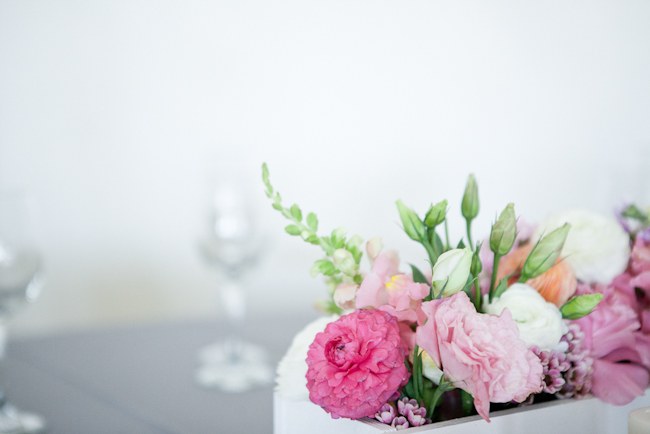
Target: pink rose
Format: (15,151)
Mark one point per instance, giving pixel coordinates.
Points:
(481,354)
(613,338)
(356,364)
(386,289)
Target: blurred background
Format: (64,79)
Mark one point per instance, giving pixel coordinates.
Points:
(119,118)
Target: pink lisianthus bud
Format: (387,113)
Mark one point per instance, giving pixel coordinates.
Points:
(356,364)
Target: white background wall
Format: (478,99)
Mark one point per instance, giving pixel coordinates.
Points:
(114,116)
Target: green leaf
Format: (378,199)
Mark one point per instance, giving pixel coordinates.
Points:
(501,288)
(313,239)
(417,373)
(633,212)
(325,267)
(296,213)
(312,221)
(467,401)
(581,305)
(338,238)
(461,244)
(266,180)
(418,276)
(293,230)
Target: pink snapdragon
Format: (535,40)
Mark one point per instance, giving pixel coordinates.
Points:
(356,364)
(614,340)
(385,288)
(481,354)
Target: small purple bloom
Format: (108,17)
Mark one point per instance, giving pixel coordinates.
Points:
(386,414)
(405,404)
(417,417)
(400,422)
(644,235)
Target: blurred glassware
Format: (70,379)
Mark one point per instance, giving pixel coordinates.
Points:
(233,245)
(20,283)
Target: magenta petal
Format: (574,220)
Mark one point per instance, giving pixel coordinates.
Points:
(618,383)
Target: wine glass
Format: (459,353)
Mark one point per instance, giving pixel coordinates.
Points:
(232,245)
(20,283)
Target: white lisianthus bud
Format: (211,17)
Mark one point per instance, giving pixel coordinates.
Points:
(344,261)
(451,271)
(597,248)
(539,322)
(291,381)
(429,368)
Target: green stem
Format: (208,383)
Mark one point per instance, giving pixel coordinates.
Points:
(437,395)
(447,246)
(469,234)
(477,300)
(433,257)
(495,271)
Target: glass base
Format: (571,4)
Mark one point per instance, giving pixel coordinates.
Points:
(233,366)
(14,421)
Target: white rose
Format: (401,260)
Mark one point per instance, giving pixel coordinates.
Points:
(597,248)
(292,369)
(539,322)
(452,270)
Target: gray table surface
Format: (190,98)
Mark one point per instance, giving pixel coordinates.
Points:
(138,380)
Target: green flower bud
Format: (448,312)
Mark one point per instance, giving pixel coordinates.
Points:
(545,253)
(504,231)
(436,214)
(412,224)
(344,261)
(469,206)
(580,306)
(476,266)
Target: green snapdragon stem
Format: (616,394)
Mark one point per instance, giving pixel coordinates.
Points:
(495,271)
(469,234)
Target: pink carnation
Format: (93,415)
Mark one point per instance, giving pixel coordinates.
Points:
(481,354)
(620,350)
(356,364)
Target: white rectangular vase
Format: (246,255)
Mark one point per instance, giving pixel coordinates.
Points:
(557,417)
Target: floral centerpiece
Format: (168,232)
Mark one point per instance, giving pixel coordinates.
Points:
(530,314)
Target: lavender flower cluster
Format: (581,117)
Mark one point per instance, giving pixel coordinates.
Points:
(578,376)
(567,374)
(407,414)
